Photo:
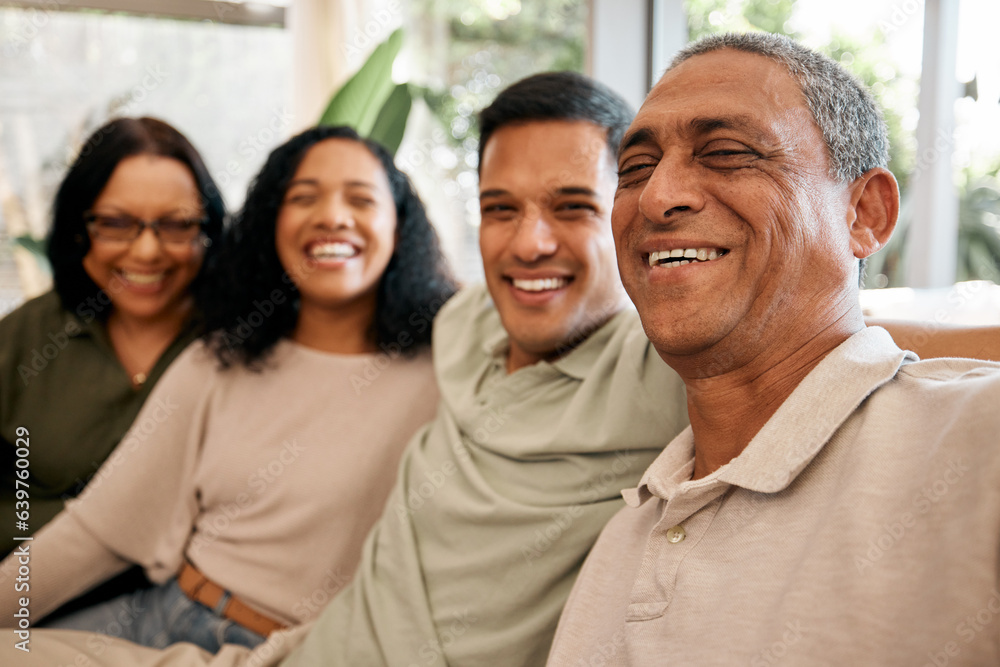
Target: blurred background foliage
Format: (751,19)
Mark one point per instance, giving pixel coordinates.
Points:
(490,44)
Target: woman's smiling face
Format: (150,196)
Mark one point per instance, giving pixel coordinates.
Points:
(146,278)
(336,226)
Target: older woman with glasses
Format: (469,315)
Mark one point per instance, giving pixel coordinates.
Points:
(136,220)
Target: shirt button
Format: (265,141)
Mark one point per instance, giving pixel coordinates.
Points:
(676,534)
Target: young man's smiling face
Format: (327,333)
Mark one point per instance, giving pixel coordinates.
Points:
(546,189)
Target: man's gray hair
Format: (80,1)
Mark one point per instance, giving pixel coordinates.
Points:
(846,113)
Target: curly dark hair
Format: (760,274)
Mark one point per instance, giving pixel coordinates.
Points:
(255,301)
(68,241)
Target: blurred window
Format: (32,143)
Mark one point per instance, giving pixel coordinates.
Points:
(65,73)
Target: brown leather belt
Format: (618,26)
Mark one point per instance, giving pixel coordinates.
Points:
(202,590)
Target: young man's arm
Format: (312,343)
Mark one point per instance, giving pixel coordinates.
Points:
(931,340)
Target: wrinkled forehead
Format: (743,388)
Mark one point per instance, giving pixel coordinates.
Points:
(747,88)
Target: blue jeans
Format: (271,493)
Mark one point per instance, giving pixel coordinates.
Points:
(158,617)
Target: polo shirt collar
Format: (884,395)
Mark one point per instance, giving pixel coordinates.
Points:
(799,429)
(577,363)
(671,468)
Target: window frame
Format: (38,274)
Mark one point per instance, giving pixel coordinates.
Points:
(235,13)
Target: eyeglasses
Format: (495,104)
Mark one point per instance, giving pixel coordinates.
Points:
(124,228)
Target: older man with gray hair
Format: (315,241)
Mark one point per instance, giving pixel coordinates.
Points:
(835,501)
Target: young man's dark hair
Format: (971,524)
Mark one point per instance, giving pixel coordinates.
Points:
(564,96)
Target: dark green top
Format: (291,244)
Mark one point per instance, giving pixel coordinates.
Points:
(60,379)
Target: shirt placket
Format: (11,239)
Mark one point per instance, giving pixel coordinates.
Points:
(683,522)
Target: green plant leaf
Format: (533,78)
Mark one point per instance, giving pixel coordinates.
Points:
(391,122)
(37,249)
(982,263)
(30,243)
(359,101)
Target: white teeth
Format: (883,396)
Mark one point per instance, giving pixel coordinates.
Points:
(689,255)
(336,250)
(143,278)
(540,284)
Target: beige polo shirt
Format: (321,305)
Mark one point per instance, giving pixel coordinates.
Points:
(861,526)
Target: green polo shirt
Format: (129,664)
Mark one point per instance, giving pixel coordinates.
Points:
(61,382)
(500,498)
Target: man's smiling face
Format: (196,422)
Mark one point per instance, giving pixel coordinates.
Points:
(546,189)
(725,166)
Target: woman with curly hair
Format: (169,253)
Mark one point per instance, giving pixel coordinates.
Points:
(246,486)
